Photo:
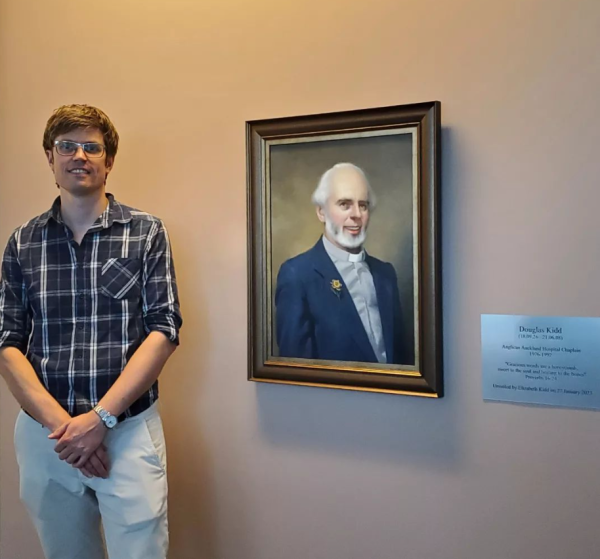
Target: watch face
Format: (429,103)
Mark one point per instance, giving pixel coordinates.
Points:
(111,421)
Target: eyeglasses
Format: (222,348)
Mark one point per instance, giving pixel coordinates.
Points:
(67,147)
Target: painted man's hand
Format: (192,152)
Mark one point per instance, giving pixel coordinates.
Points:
(78,439)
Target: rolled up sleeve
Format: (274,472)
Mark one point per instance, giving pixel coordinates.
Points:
(161,311)
(15,321)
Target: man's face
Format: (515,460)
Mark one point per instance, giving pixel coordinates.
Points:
(346,214)
(80,174)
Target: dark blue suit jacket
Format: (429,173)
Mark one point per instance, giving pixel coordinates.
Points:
(314,321)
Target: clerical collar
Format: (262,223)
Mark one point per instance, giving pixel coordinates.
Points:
(336,253)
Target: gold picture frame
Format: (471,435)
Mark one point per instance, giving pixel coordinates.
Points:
(307,331)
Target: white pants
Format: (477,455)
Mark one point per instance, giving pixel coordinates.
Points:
(67,508)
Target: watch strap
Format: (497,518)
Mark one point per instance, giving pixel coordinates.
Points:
(105,416)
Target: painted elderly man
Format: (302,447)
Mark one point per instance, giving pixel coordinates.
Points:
(335,301)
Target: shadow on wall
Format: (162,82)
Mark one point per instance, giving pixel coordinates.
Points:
(192,500)
(385,427)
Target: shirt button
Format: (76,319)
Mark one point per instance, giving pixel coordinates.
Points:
(81,295)
(80,327)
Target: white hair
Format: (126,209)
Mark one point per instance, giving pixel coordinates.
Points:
(321,193)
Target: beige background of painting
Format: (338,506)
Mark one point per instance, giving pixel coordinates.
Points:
(295,170)
(289,472)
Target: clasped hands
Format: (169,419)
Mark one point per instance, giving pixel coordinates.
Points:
(80,443)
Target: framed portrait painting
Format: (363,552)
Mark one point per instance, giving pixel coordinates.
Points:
(344,282)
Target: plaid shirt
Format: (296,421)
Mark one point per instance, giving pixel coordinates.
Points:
(79,312)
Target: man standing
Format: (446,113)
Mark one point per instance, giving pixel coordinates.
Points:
(89,315)
(335,301)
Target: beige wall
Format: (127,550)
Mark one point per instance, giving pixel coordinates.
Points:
(274,472)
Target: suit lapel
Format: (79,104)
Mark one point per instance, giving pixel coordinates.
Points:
(349,317)
(385,303)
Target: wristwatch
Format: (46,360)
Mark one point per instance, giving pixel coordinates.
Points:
(107,418)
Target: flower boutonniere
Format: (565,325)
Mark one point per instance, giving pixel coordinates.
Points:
(336,287)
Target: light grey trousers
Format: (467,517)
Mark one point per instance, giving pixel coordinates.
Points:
(68,509)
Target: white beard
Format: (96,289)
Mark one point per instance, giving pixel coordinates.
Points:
(345,239)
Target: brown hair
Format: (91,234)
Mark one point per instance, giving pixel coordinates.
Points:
(69,117)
